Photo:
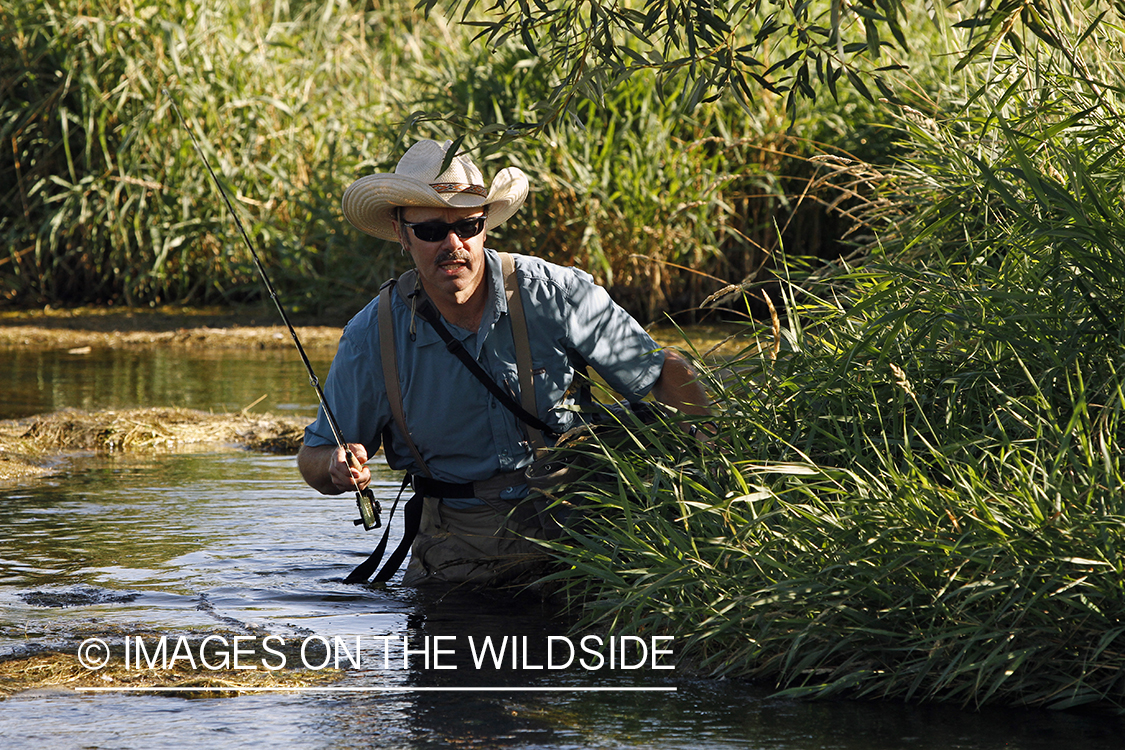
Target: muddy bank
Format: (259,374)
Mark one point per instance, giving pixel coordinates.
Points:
(37,445)
(249,328)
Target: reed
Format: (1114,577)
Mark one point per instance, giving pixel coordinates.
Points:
(106,202)
(920,496)
(112,203)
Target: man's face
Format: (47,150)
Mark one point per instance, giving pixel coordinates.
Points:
(449,266)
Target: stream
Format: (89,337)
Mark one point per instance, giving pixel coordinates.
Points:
(228,544)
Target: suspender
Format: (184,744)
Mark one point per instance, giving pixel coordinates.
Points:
(520,340)
(390,368)
(522,345)
(413,510)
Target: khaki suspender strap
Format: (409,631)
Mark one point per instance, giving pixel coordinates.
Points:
(522,344)
(390,369)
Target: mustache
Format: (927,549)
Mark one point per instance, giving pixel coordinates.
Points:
(452,255)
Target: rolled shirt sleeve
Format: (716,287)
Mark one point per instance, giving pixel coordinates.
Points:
(612,341)
(354,388)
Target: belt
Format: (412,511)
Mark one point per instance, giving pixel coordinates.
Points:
(484,489)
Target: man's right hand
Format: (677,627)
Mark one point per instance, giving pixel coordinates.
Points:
(326,469)
(348,477)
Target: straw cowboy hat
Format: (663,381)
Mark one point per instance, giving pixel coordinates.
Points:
(370,201)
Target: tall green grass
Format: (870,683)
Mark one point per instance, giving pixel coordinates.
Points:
(105,201)
(922,497)
(113,204)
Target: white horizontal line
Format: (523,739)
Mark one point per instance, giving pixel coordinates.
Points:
(384,689)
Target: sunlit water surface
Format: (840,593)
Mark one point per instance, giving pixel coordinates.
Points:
(233,543)
(222,380)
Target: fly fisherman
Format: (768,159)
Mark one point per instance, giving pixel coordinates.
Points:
(465,446)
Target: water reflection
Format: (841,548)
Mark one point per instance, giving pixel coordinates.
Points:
(220,380)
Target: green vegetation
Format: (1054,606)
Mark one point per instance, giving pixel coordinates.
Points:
(106,202)
(920,496)
(917,489)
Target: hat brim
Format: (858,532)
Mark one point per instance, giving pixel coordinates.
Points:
(369,202)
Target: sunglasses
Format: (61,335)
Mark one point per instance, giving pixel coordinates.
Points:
(436,231)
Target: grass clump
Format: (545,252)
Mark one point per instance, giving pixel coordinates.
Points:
(917,492)
(63,671)
(33,445)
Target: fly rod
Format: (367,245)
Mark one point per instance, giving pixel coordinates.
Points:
(365,499)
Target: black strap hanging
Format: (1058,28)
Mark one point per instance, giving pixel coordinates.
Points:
(411,520)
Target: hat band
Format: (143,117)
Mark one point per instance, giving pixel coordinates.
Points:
(459,187)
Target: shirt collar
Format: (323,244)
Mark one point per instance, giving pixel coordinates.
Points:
(495,304)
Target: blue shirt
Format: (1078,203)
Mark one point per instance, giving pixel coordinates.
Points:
(462,432)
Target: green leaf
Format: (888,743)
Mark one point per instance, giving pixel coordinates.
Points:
(525,35)
(858,85)
(872,33)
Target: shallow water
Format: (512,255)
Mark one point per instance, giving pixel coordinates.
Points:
(224,380)
(234,544)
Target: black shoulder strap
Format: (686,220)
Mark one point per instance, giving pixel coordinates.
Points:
(427,312)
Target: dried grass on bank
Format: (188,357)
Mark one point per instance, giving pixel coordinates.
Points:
(64,671)
(34,445)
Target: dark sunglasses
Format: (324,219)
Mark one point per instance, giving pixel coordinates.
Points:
(436,231)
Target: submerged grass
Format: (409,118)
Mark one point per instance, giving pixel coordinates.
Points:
(63,670)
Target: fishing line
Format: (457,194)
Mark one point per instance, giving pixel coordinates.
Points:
(365,499)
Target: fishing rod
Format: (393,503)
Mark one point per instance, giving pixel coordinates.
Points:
(369,508)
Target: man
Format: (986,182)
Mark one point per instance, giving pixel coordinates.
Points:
(459,430)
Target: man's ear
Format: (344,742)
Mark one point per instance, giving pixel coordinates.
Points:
(403,238)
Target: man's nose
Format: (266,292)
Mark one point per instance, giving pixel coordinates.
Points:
(452,241)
